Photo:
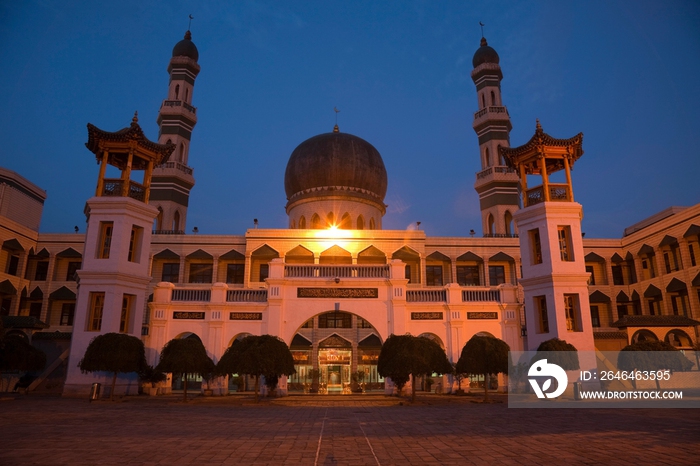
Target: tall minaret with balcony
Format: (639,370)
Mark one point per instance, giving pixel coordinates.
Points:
(555,281)
(114,278)
(496,184)
(172,181)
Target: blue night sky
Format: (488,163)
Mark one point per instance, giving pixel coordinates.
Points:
(624,73)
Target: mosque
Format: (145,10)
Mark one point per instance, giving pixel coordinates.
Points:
(335,284)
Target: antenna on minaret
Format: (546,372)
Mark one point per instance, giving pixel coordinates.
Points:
(335,128)
(482,28)
(189,25)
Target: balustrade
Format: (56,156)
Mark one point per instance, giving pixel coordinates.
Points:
(492,109)
(168,232)
(336,271)
(185,294)
(178,166)
(114,187)
(426,296)
(557,193)
(246,296)
(179,103)
(469,296)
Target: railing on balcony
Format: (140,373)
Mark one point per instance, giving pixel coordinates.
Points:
(470,296)
(185,294)
(497,169)
(168,232)
(500,235)
(178,166)
(336,271)
(557,193)
(115,187)
(246,296)
(486,110)
(426,296)
(178,103)
(484,173)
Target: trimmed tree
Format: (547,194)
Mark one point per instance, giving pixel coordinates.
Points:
(185,356)
(483,355)
(257,355)
(16,354)
(113,352)
(405,357)
(558,352)
(652,356)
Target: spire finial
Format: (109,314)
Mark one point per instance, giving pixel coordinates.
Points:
(189,25)
(135,120)
(482,29)
(538,128)
(335,128)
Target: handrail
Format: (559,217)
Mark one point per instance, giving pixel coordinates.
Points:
(426,296)
(246,296)
(336,271)
(184,294)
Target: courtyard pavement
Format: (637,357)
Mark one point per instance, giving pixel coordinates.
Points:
(336,430)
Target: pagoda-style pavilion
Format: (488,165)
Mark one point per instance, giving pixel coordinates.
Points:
(127,149)
(544,155)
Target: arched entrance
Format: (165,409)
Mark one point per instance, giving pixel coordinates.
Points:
(335,352)
(194,381)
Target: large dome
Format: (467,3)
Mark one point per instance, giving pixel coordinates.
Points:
(186,48)
(336,163)
(485,54)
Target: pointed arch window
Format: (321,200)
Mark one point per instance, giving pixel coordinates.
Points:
(159,219)
(486,162)
(177,91)
(315,222)
(509,223)
(493,98)
(176,221)
(330,219)
(302,223)
(360,222)
(483,101)
(491,225)
(345,222)
(187,95)
(372,225)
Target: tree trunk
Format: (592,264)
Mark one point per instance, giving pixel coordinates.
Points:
(413,388)
(114,382)
(487,381)
(185,389)
(257,383)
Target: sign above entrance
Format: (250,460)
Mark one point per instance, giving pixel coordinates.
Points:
(245,316)
(337,292)
(188,315)
(482,315)
(426,315)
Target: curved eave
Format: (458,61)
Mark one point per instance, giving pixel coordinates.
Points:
(540,142)
(99,139)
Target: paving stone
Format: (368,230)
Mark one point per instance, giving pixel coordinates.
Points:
(352,430)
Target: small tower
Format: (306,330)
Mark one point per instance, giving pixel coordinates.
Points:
(172,181)
(496,183)
(114,277)
(555,282)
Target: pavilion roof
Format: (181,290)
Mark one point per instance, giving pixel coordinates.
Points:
(542,143)
(98,137)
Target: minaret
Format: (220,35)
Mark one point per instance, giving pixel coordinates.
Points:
(114,277)
(555,282)
(172,181)
(496,184)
